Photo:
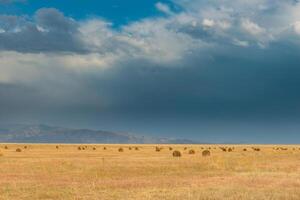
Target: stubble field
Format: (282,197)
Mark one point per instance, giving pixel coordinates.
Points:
(105,172)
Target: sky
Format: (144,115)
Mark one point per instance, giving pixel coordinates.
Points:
(213,71)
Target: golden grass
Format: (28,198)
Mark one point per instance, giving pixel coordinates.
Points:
(43,172)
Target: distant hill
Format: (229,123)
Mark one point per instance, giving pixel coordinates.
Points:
(51,134)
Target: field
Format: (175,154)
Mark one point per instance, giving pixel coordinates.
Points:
(63,172)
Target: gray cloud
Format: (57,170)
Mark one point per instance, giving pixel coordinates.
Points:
(48,31)
(207,63)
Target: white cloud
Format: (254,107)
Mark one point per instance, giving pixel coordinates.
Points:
(164,40)
(240,43)
(163,8)
(208,23)
(297,27)
(252,27)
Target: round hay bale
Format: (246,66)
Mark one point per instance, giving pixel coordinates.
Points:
(192,151)
(185,148)
(170,148)
(18,150)
(57,147)
(121,149)
(256,149)
(130,148)
(136,148)
(25,147)
(79,148)
(244,149)
(176,153)
(5,147)
(230,149)
(94,148)
(157,149)
(205,153)
(104,148)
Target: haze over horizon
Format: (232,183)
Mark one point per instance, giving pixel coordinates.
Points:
(217,71)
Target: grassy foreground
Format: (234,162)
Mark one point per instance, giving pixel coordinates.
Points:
(63,172)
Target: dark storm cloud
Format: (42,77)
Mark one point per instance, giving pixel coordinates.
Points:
(232,82)
(247,82)
(48,31)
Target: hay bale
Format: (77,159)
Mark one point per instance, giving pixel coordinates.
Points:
(206,153)
(104,148)
(170,148)
(94,148)
(79,148)
(176,153)
(223,149)
(244,149)
(157,149)
(5,147)
(130,148)
(121,149)
(18,150)
(230,149)
(136,148)
(25,147)
(192,151)
(185,148)
(57,147)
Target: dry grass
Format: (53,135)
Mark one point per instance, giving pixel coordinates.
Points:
(44,173)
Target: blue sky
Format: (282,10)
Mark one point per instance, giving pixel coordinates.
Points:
(117,11)
(214,71)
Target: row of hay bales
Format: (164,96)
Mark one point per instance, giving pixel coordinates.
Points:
(283,149)
(86,147)
(121,149)
(158,149)
(177,153)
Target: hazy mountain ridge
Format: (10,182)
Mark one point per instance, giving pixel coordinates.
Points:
(51,134)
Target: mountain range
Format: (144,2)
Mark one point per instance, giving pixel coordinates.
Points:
(19,133)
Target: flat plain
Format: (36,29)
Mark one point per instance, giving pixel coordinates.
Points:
(108,172)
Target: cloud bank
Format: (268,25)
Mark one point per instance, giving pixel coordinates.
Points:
(228,59)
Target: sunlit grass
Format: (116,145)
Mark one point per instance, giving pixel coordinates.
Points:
(48,172)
